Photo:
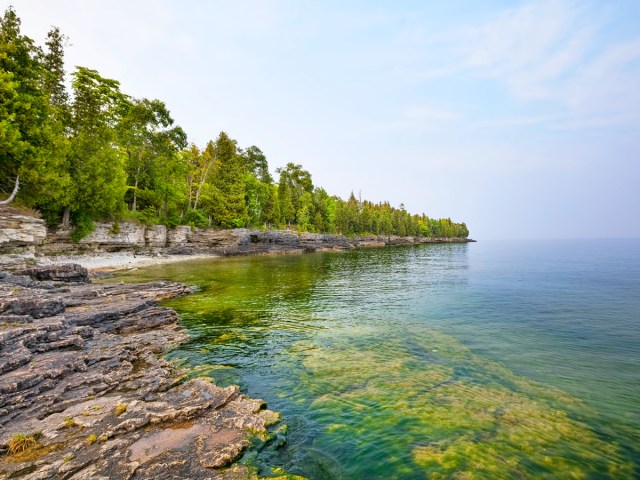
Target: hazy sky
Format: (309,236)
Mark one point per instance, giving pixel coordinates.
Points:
(520,118)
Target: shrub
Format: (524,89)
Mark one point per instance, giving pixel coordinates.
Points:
(83,226)
(196,218)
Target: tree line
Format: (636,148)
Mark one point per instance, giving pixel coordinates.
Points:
(95,153)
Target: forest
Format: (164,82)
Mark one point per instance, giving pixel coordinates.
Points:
(93,153)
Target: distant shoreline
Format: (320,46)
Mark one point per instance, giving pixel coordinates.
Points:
(113,261)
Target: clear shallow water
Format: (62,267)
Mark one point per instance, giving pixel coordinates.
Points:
(499,359)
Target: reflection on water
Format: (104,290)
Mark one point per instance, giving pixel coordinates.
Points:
(361,352)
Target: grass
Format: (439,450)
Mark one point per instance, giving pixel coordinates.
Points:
(21,442)
(91,439)
(120,409)
(69,422)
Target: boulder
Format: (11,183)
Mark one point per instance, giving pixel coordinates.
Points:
(64,272)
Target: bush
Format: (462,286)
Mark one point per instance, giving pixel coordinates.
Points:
(82,225)
(196,218)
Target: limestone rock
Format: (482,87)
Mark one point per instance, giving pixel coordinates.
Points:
(155,236)
(178,236)
(112,236)
(19,231)
(79,363)
(64,272)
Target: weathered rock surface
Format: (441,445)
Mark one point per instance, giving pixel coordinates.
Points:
(22,233)
(19,231)
(64,272)
(184,240)
(80,365)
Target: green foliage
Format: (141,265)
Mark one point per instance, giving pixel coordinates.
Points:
(98,154)
(83,225)
(31,141)
(196,218)
(228,206)
(255,162)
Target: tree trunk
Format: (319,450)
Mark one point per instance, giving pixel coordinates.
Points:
(13,194)
(190,181)
(135,195)
(66,217)
(203,178)
(135,189)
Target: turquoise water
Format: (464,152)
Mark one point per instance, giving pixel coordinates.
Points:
(487,360)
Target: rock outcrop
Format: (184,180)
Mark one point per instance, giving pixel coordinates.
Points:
(185,240)
(20,232)
(84,388)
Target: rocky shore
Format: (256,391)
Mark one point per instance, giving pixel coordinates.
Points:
(84,390)
(20,233)
(86,394)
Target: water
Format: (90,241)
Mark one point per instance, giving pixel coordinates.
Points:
(489,360)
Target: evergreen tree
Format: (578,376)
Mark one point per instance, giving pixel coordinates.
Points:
(32,144)
(97,167)
(231,210)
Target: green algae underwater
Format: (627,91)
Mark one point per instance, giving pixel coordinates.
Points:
(353,349)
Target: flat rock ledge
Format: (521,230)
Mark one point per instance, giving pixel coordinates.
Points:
(81,374)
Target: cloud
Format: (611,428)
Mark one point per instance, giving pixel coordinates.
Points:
(559,52)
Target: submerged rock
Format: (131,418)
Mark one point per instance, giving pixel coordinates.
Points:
(82,378)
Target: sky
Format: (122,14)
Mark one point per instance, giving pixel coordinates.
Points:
(520,118)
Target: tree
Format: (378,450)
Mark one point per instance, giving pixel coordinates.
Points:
(89,154)
(229,208)
(54,73)
(96,165)
(305,212)
(255,162)
(285,200)
(152,143)
(13,194)
(22,104)
(270,213)
(293,184)
(32,141)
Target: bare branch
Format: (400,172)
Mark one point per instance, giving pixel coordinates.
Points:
(13,194)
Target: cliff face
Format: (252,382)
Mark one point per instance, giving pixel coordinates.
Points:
(23,233)
(20,232)
(238,241)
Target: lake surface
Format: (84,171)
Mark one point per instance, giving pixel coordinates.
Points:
(489,360)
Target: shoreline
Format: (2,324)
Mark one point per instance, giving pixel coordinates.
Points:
(85,390)
(106,262)
(126,260)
